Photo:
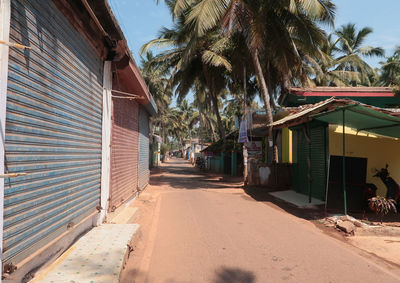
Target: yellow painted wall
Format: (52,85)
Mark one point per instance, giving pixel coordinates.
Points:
(378,150)
(286,146)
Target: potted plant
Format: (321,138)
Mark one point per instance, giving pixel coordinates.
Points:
(382,206)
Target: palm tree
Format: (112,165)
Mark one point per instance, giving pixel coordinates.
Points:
(189,118)
(193,59)
(169,124)
(352,49)
(205,67)
(325,70)
(157,82)
(207,118)
(275,32)
(390,70)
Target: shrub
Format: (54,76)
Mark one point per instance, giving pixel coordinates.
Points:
(382,206)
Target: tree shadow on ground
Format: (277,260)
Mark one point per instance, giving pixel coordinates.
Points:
(262,194)
(178,174)
(191,178)
(234,275)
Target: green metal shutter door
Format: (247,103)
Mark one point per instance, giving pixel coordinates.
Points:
(53,129)
(300,183)
(318,161)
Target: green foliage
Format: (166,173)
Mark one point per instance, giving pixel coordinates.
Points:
(390,71)
(274,34)
(353,51)
(164,148)
(215,47)
(341,61)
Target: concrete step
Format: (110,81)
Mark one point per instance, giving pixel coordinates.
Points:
(124,216)
(297,199)
(98,256)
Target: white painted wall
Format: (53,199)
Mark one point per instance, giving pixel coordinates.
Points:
(264,173)
(5,14)
(106,142)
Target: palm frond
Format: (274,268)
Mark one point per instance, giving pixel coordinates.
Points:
(159,43)
(211,58)
(371,51)
(206,14)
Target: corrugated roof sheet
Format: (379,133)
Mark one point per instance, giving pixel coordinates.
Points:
(363,118)
(303,111)
(330,103)
(309,112)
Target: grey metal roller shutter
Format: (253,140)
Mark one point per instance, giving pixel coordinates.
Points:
(144,147)
(53,129)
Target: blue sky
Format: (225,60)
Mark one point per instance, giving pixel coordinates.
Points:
(381,16)
(141,20)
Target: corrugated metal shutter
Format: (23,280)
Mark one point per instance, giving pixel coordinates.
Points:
(300,167)
(53,129)
(124,151)
(318,161)
(144,148)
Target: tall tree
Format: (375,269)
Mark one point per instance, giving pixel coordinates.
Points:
(351,46)
(193,59)
(207,118)
(325,70)
(156,79)
(276,33)
(390,70)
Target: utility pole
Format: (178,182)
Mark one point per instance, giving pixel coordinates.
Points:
(245,153)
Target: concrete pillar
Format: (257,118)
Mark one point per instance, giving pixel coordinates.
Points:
(286,145)
(106,143)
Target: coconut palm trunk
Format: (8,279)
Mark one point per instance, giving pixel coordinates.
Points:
(221,128)
(214,136)
(266,98)
(214,99)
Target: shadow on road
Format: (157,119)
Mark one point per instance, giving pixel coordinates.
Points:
(234,275)
(180,174)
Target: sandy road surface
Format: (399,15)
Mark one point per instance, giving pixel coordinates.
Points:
(196,228)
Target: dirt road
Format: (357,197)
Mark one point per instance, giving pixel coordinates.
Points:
(197,228)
